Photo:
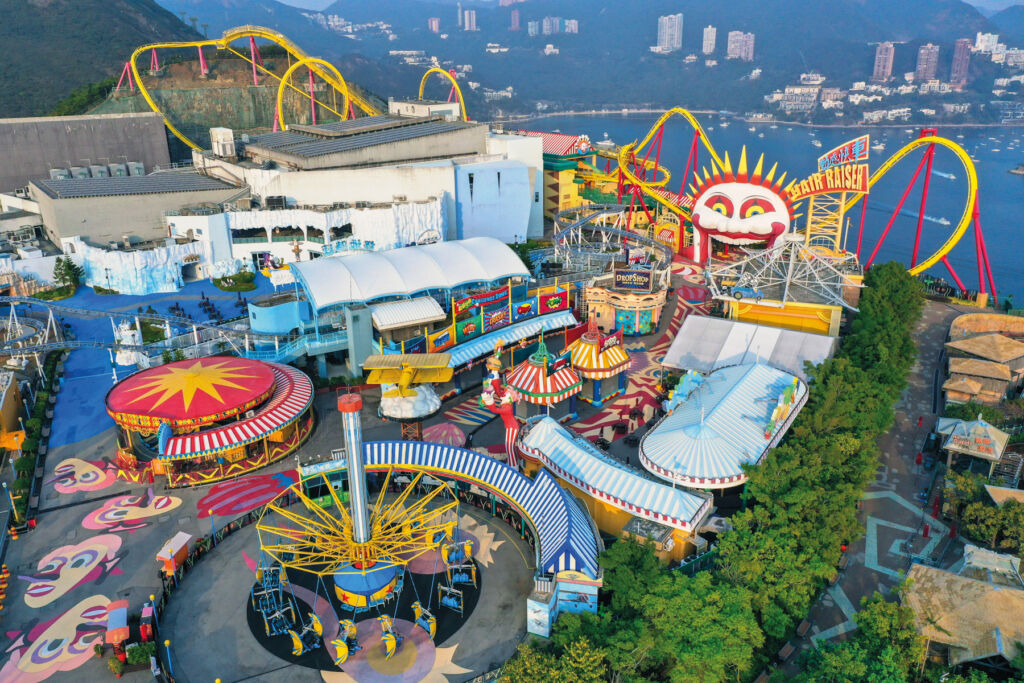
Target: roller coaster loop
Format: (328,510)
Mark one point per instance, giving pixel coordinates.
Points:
(455,88)
(309,61)
(224,43)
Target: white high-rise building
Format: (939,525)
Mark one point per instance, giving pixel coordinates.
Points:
(572,26)
(469,21)
(670,32)
(986,42)
(532,28)
(710,36)
(740,46)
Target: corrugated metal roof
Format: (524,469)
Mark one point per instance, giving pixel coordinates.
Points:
(406,313)
(513,333)
(565,535)
(705,344)
(157,183)
(575,460)
(554,144)
(722,426)
(359,133)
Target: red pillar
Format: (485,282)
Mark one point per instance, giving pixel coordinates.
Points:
(253,56)
(312,99)
(896,212)
(930,154)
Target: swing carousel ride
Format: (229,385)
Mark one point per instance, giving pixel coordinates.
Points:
(336,566)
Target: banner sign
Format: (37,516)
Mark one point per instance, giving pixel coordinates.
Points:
(848,178)
(417,345)
(634,280)
(554,302)
(559,363)
(348,244)
(851,152)
(574,333)
(483,299)
(495,319)
(524,310)
(467,329)
(612,340)
(440,340)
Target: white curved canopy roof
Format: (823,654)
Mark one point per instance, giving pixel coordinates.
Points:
(336,280)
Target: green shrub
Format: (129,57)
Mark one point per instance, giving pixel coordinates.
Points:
(25,465)
(30,445)
(140,653)
(34,425)
(116,666)
(23,483)
(971,410)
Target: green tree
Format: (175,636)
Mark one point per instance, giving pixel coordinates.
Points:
(964,488)
(983,522)
(707,630)
(530,665)
(1012,513)
(67,273)
(631,569)
(971,411)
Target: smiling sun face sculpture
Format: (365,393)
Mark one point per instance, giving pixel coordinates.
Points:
(739,207)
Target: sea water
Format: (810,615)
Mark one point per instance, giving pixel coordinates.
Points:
(1001,194)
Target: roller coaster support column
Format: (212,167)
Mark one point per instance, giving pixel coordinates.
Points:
(983,254)
(863,215)
(896,212)
(126,72)
(930,156)
(312,97)
(952,273)
(203,68)
(154,62)
(254,56)
(692,159)
(349,406)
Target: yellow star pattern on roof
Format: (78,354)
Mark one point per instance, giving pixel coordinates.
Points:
(187,380)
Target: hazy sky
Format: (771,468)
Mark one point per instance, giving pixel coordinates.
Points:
(308,4)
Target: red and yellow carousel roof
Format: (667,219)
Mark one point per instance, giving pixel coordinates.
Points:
(594,357)
(535,384)
(190,392)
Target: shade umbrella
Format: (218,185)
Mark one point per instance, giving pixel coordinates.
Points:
(445,433)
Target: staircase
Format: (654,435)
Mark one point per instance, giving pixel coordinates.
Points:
(1007,470)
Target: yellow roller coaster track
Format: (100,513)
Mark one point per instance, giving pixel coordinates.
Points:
(455,85)
(224,43)
(628,152)
(972,192)
(308,62)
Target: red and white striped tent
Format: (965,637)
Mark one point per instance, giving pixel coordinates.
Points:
(293,394)
(592,358)
(535,384)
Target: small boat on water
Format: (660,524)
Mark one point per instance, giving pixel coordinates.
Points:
(723,124)
(816,143)
(878,146)
(760,135)
(751,129)
(773,126)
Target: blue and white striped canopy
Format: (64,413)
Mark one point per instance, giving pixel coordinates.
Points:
(722,426)
(564,533)
(578,462)
(484,345)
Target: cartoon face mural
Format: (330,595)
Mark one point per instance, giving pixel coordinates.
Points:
(70,566)
(75,474)
(739,207)
(233,498)
(129,513)
(61,644)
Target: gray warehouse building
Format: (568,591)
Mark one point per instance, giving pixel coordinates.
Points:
(370,141)
(32,146)
(104,210)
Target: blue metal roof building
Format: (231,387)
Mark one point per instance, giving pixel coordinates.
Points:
(582,465)
(722,426)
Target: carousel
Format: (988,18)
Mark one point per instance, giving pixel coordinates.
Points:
(544,380)
(201,420)
(598,357)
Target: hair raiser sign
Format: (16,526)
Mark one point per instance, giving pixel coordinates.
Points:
(847,178)
(634,280)
(851,152)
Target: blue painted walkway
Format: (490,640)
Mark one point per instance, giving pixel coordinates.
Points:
(80,412)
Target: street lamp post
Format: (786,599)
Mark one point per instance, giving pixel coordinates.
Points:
(14,508)
(170,669)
